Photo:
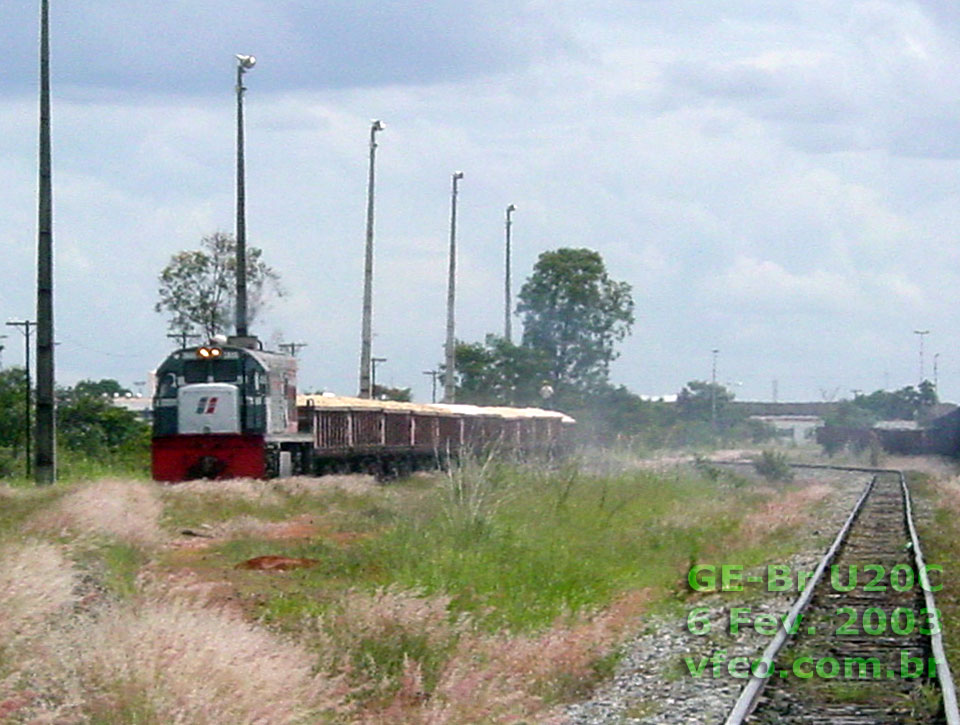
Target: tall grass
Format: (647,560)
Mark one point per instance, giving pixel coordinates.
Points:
(36,584)
(488,594)
(170,662)
(125,510)
(410,661)
(523,552)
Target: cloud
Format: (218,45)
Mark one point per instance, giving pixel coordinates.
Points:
(768,177)
(187,47)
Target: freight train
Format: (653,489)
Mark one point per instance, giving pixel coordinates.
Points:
(230,410)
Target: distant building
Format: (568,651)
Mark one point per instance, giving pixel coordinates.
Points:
(793,428)
(140,406)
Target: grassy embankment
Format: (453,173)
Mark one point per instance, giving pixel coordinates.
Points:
(938,493)
(488,595)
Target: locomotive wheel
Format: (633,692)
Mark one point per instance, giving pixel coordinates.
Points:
(206,467)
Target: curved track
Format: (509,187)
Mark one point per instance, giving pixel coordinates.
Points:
(864,651)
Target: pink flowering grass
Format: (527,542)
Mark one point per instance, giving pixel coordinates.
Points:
(410,661)
(175,662)
(129,511)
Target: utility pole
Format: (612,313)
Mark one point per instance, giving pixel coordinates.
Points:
(507,328)
(713,392)
(450,373)
(921,334)
(182,337)
(366,325)
(46,468)
(374,361)
(25,326)
(434,374)
(244,63)
(292,348)
(936,377)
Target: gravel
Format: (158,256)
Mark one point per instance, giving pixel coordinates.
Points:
(652,683)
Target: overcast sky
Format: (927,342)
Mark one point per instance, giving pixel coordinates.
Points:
(778,180)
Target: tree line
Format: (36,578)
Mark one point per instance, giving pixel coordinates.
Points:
(574,315)
(89,426)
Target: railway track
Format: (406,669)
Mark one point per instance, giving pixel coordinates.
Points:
(862,642)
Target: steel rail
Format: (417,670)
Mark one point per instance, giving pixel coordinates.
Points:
(751,692)
(947,689)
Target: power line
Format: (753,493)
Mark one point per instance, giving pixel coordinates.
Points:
(434,374)
(292,348)
(25,326)
(183,337)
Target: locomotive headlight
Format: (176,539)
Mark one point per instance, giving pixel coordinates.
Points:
(215,352)
(203,352)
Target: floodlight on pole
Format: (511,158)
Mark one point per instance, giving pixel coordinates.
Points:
(366,332)
(713,390)
(244,63)
(921,334)
(449,374)
(507,327)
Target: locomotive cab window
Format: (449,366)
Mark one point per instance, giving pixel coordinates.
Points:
(195,371)
(168,386)
(225,371)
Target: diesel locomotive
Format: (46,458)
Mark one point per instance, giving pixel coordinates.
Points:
(230,409)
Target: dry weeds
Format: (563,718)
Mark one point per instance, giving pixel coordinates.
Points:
(357,485)
(175,662)
(788,510)
(36,583)
(247,489)
(486,677)
(126,510)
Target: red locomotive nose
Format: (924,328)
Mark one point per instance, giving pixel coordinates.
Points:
(186,457)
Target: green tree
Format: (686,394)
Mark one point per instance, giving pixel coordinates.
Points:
(904,404)
(384,392)
(696,400)
(89,423)
(12,407)
(497,372)
(197,287)
(106,387)
(575,314)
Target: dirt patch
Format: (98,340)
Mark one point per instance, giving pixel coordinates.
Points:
(276,563)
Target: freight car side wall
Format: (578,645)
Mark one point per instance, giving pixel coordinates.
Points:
(362,430)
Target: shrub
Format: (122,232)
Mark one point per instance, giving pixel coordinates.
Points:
(773,466)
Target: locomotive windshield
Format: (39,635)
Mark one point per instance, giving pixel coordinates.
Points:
(217,371)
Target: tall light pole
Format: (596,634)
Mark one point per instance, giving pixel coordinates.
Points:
(921,334)
(713,391)
(449,376)
(46,468)
(366,388)
(507,331)
(244,63)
